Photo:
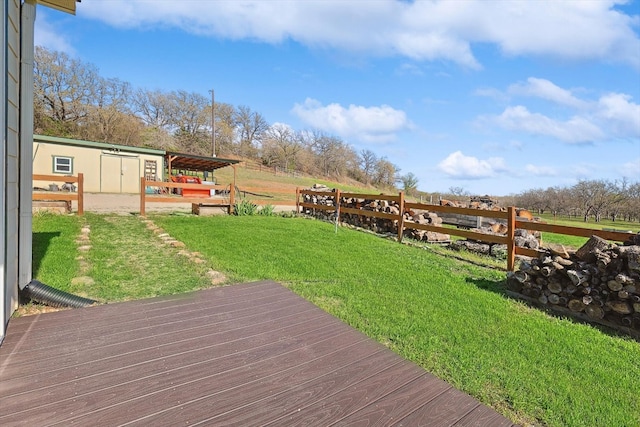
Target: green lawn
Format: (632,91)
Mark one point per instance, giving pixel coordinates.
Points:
(576,242)
(446,314)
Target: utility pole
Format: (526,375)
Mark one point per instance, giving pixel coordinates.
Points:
(213,124)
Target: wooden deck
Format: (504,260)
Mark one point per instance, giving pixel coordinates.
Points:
(249,355)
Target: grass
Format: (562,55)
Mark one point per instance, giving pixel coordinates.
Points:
(446,314)
(575,241)
(55,250)
(126,261)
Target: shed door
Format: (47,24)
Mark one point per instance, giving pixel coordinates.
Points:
(119,174)
(130,173)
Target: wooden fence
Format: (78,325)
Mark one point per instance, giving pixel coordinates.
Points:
(508,216)
(164,194)
(61,194)
(231,193)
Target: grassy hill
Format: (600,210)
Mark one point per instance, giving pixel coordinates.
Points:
(282,186)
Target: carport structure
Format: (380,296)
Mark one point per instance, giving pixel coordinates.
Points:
(192,163)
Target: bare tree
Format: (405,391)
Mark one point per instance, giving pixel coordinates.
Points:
(280,146)
(385,174)
(155,108)
(250,126)
(225,128)
(459,192)
(191,122)
(63,91)
(368,161)
(110,118)
(596,197)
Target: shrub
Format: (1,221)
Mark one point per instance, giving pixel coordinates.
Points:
(267,210)
(245,207)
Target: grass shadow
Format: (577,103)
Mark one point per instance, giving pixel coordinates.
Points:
(500,287)
(495,286)
(41,242)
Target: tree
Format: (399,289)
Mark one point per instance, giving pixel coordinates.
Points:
(385,173)
(225,128)
(280,146)
(459,192)
(250,126)
(596,197)
(409,183)
(110,118)
(63,92)
(156,109)
(191,121)
(368,160)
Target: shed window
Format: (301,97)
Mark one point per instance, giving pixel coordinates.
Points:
(62,164)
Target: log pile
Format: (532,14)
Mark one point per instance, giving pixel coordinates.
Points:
(427,218)
(600,282)
(522,238)
(377,225)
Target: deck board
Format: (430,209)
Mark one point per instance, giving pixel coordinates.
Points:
(249,354)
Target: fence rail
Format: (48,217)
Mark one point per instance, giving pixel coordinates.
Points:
(164,196)
(67,196)
(509,216)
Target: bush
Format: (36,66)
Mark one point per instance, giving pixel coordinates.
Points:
(267,210)
(245,207)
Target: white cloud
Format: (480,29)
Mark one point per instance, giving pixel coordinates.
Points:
(369,124)
(540,170)
(545,89)
(457,165)
(577,129)
(622,115)
(631,169)
(611,116)
(421,30)
(50,37)
(490,92)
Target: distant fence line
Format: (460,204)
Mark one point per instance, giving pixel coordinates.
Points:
(276,170)
(509,216)
(72,188)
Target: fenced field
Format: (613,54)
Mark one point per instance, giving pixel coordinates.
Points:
(332,202)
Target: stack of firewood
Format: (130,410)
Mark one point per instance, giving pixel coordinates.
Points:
(425,217)
(377,225)
(522,238)
(599,282)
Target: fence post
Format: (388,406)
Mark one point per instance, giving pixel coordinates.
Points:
(337,205)
(511,245)
(143,190)
(401,218)
(232,196)
(80,194)
(297,200)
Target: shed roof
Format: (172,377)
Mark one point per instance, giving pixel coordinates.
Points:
(196,163)
(98,145)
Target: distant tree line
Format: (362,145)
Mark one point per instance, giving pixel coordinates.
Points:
(72,100)
(588,199)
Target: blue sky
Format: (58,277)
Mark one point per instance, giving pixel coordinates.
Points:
(495,97)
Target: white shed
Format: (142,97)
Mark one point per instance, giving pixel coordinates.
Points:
(107,168)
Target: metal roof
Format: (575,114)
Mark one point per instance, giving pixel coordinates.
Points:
(196,163)
(98,145)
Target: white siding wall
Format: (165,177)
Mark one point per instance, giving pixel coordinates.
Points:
(10,129)
(103,172)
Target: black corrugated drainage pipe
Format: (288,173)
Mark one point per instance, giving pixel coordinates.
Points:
(45,294)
